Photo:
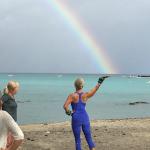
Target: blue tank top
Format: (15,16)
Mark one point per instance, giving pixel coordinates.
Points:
(80,105)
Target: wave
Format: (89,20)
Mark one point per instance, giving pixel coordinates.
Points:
(11,75)
(59,76)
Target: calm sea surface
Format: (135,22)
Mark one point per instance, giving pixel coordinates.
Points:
(42,96)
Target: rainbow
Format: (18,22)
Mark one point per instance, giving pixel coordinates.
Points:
(98,54)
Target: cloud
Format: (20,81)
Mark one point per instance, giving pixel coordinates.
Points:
(34,33)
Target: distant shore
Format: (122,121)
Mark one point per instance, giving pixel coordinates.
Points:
(124,134)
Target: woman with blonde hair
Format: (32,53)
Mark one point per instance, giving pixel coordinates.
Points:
(80,118)
(8,99)
(9,103)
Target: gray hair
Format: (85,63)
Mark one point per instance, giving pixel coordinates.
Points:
(79,83)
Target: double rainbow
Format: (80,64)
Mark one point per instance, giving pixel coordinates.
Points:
(98,54)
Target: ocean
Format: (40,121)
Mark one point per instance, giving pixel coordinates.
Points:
(41,96)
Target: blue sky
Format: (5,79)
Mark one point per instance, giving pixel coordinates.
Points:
(35,38)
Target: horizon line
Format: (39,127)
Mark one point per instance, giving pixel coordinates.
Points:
(74,73)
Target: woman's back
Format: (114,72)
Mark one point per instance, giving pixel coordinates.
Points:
(78,105)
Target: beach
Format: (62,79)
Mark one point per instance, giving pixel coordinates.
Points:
(124,134)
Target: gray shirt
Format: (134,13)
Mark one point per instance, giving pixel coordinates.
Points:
(10,105)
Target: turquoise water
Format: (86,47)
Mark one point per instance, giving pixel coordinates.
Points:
(42,96)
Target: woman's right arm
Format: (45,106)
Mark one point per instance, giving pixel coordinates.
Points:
(14,145)
(68,102)
(15,130)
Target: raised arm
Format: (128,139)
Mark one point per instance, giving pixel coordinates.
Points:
(67,103)
(94,90)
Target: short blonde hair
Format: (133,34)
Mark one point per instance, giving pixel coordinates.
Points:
(79,83)
(11,85)
(17,84)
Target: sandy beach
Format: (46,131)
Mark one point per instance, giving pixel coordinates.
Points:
(127,134)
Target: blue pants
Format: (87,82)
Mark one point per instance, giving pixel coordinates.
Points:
(79,122)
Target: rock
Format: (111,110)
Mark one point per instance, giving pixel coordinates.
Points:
(45,124)
(136,103)
(23,101)
(29,139)
(144,76)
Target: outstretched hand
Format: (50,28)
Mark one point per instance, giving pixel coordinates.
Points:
(101,79)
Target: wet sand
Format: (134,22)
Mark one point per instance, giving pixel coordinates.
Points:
(127,134)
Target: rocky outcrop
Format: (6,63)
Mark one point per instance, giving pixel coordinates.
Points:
(138,102)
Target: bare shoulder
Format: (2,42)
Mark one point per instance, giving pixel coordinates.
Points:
(74,97)
(71,95)
(84,96)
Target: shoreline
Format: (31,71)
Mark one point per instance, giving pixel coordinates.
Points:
(94,120)
(110,134)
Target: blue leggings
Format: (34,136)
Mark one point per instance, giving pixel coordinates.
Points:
(76,127)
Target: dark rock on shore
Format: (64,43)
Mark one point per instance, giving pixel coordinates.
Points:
(144,76)
(136,103)
(23,101)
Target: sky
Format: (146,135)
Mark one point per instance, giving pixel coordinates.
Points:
(35,38)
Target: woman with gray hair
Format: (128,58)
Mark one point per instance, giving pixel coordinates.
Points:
(80,118)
